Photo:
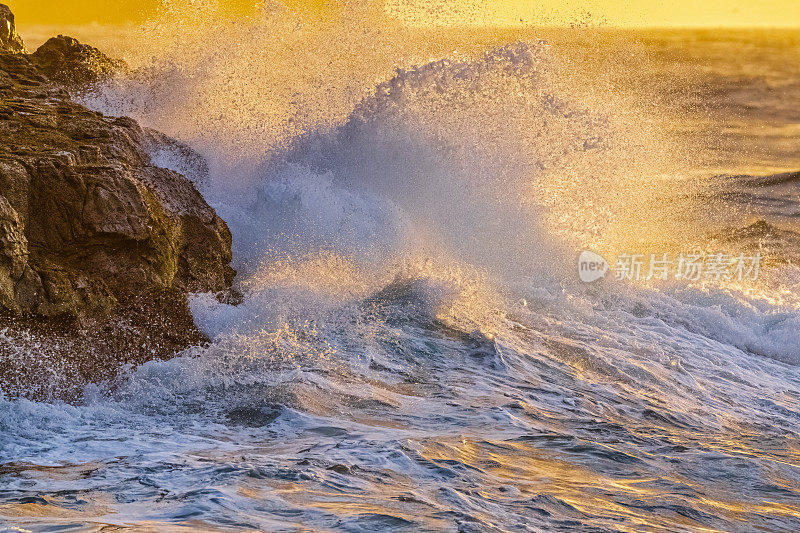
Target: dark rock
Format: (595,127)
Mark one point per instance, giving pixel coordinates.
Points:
(254,417)
(69,63)
(92,209)
(99,246)
(9,40)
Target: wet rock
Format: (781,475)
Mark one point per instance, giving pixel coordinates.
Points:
(69,63)
(99,218)
(18,284)
(99,245)
(253,417)
(340,469)
(9,40)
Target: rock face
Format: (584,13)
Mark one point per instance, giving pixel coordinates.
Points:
(69,63)
(9,40)
(98,245)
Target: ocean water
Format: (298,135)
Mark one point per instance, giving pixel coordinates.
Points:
(415,350)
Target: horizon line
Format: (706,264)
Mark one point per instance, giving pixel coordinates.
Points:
(508,27)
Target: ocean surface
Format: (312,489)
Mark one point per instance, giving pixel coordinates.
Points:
(415,350)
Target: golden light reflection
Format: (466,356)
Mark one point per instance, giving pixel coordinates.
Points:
(625,13)
(628,13)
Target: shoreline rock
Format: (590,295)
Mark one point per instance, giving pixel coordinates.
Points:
(69,63)
(99,246)
(9,40)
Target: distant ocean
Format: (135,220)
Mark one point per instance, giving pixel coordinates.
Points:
(415,350)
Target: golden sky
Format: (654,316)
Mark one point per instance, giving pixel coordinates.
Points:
(504,12)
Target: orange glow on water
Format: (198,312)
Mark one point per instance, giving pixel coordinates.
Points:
(731,13)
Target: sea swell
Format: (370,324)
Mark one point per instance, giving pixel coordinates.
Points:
(413,348)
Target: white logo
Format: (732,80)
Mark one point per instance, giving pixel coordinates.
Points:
(591,266)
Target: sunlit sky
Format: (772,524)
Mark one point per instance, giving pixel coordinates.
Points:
(501,12)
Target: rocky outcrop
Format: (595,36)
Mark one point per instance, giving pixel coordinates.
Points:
(99,246)
(9,40)
(69,63)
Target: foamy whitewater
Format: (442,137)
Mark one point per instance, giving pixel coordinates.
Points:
(414,350)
